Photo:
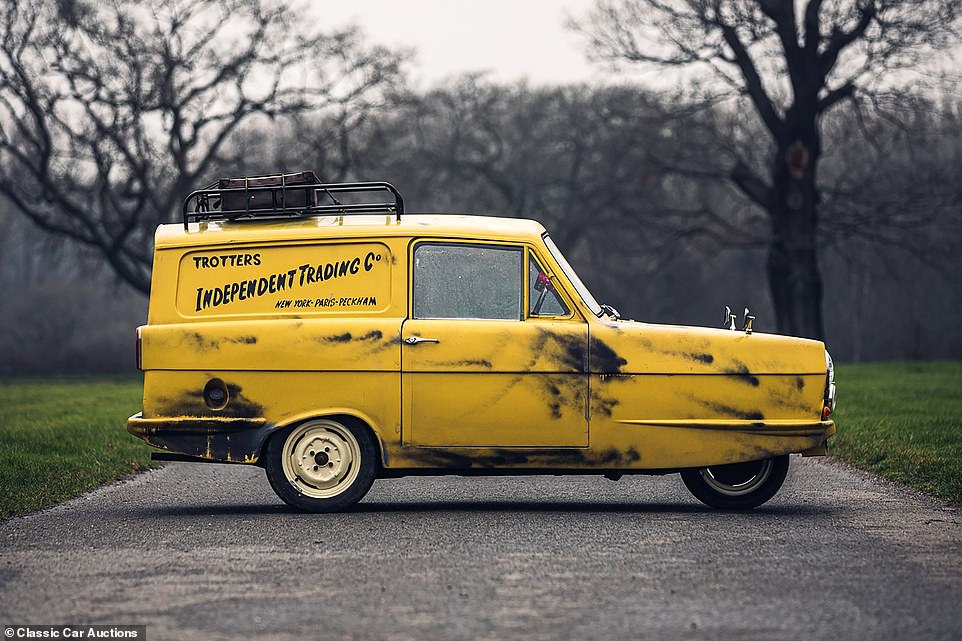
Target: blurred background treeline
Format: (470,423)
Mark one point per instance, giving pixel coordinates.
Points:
(666,200)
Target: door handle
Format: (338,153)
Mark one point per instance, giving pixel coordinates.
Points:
(414,340)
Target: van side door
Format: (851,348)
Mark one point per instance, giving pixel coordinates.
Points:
(479,369)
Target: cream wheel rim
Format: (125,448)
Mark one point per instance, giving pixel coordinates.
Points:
(321,459)
(738,479)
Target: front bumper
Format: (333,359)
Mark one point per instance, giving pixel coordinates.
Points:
(224,439)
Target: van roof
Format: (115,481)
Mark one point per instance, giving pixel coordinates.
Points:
(352,226)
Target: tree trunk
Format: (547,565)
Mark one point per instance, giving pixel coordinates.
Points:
(793,273)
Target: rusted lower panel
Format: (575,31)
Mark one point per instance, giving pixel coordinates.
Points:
(231,440)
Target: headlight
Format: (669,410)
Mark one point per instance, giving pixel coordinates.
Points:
(829,386)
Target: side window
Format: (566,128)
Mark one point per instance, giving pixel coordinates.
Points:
(542,297)
(467,281)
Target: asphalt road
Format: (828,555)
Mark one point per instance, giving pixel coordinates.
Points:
(207,552)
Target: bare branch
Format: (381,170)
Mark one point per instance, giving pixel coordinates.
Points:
(111,112)
(840,39)
(753,82)
(751,185)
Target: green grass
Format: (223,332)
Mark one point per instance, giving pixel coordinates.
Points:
(61,437)
(904,422)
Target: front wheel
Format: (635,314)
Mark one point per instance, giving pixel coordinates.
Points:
(321,465)
(737,486)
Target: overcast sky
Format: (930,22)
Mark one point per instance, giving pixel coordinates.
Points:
(510,39)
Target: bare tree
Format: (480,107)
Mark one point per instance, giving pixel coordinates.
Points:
(581,159)
(588,162)
(111,112)
(793,61)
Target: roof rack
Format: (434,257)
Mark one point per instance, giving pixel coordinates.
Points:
(283,196)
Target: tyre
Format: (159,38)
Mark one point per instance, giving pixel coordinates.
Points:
(321,465)
(737,486)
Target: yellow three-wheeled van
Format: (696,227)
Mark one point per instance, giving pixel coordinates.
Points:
(333,340)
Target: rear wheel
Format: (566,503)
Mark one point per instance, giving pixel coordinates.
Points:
(321,465)
(737,486)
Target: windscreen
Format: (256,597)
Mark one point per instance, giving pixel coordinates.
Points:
(573,277)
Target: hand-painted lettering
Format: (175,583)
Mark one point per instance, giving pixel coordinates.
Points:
(226,260)
(300,276)
(243,290)
(357,301)
(326,271)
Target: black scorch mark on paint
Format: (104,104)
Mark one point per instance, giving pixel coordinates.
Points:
(469,362)
(741,373)
(391,342)
(787,402)
(238,405)
(799,383)
(444,458)
(465,362)
(601,405)
(191,403)
(574,356)
(609,364)
(699,357)
(201,342)
(347,337)
(734,412)
(612,455)
(604,360)
(564,389)
(554,403)
(243,340)
(566,349)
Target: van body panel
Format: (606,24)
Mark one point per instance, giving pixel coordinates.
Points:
(283,344)
(275,397)
(466,389)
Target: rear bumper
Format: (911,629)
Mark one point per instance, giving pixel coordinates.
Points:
(224,439)
(822,448)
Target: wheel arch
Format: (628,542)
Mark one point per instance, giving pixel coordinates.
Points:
(343,415)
